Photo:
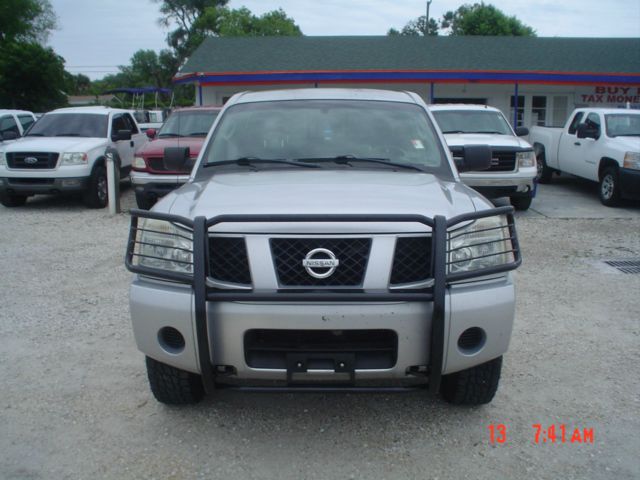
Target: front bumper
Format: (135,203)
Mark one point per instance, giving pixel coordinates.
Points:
(427,321)
(630,183)
(492,184)
(44,185)
(154,186)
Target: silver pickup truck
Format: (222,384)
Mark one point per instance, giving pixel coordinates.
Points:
(324,241)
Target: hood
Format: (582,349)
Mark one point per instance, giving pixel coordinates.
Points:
(55,144)
(321,192)
(155,148)
(494,140)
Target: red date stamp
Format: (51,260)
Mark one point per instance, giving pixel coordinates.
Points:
(542,434)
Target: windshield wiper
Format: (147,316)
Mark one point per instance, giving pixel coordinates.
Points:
(454,131)
(627,135)
(196,134)
(345,159)
(34,135)
(67,134)
(169,135)
(252,161)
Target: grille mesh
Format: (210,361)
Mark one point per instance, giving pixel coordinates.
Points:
(630,265)
(43,160)
(228,260)
(502,161)
(412,260)
(352,253)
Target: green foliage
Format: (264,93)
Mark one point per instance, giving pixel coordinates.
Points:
(76,84)
(26,20)
(481,19)
(476,19)
(31,77)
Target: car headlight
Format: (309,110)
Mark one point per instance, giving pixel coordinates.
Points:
(631,160)
(74,158)
(138,163)
(3,159)
(164,246)
(482,244)
(526,159)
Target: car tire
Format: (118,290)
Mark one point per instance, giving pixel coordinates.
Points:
(10,200)
(173,386)
(544,173)
(145,201)
(96,195)
(521,202)
(474,386)
(609,189)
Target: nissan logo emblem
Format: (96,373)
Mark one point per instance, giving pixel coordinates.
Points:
(31,160)
(322,259)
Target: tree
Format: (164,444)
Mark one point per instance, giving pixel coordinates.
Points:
(31,77)
(415,28)
(26,20)
(476,19)
(481,19)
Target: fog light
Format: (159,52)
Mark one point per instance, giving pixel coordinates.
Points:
(71,182)
(471,340)
(171,340)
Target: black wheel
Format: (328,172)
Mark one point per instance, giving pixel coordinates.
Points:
(96,195)
(544,173)
(610,187)
(145,201)
(521,202)
(10,200)
(173,386)
(474,386)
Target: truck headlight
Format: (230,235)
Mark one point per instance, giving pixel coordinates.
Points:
(3,159)
(138,163)
(631,160)
(163,246)
(484,243)
(526,159)
(74,158)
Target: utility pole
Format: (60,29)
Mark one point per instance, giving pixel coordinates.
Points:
(426,24)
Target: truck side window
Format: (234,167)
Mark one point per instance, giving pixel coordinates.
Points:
(574,123)
(8,124)
(131,125)
(26,121)
(118,124)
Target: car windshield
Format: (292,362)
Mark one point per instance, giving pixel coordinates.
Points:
(472,121)
(189,123)
(70,125)
(623,124)
(353,132)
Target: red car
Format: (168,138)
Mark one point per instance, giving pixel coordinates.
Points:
(185,129)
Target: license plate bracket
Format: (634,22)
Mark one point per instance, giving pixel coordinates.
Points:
(302,366)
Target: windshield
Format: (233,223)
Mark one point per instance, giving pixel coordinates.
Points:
(623,124)
(472,121)
(189,123)
(70,125)
(308,130)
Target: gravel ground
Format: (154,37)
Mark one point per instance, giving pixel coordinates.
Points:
(75,401)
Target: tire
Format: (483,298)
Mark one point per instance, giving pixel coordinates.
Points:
(474,386)
(544,173)
(173,386)
(609,189)
(145,201)
(521,202)
(96,195)
(9,200)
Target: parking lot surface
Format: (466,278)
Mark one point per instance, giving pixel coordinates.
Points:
(75,401)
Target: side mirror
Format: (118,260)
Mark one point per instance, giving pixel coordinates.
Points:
(175,158)
(151,133)
(522,131)
(121,135)
(475,157)
(584,131)
(9,135)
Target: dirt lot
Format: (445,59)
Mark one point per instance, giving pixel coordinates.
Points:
(75,401)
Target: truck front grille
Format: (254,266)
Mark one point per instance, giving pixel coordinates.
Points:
(411,260)
(156,165)
(228,260)
(502,161)
(32,160)
(352,254)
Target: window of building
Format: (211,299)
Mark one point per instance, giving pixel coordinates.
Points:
(539,110)
(520,110)
(560,104)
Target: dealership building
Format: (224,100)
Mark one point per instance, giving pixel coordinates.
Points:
(534,81)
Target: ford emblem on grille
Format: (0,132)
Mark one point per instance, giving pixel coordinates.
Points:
(320,258)
(31,160)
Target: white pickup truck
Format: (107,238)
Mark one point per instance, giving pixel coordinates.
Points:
(65,152)
(599,144)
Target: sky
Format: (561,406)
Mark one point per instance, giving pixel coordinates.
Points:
(96,36)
